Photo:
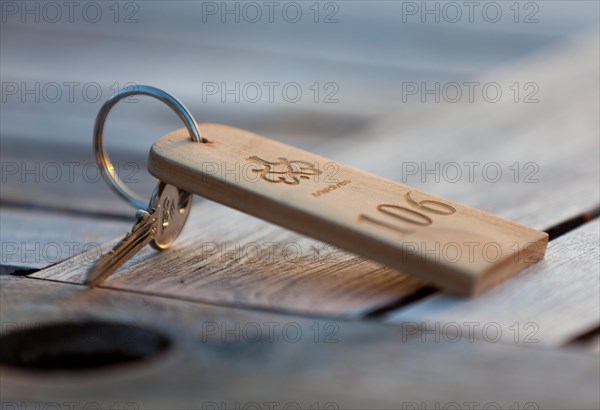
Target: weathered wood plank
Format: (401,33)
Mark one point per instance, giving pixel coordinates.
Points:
(367,365)
(369,86)
(549,304)
(343,286)
(66,177)
(501,133)
(497,136)
(507,158)
(502,137)
(57,170)
(223,256)
(350,52)
(34,239)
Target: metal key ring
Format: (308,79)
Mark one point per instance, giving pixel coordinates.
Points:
(106,167)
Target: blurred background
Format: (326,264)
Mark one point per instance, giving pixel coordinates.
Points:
(493,104)
(317,75)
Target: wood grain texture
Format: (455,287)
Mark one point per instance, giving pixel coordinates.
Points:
(65,177)
(388,222)
(349,52)
(566,163)
(501,133)
(34,239)
(556,135)
(368,366)
(548,304)
(372,366)
(221,259)
(367,93)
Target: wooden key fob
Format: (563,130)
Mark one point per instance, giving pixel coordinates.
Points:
(460,249)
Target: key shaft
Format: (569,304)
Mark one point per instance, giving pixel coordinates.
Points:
(160,225)
(141,235)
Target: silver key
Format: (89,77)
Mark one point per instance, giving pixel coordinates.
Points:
(158,226)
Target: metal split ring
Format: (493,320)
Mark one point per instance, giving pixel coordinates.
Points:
(106,167)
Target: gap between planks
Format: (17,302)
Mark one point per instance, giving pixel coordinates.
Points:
(549,304)
(368,365)
(491,198)
(544,276)
(554,233)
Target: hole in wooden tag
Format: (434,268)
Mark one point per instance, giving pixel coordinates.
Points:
(79,346)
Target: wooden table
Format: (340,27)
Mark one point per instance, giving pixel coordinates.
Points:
(246,315)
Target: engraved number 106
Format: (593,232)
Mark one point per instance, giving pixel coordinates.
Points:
(409,215)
